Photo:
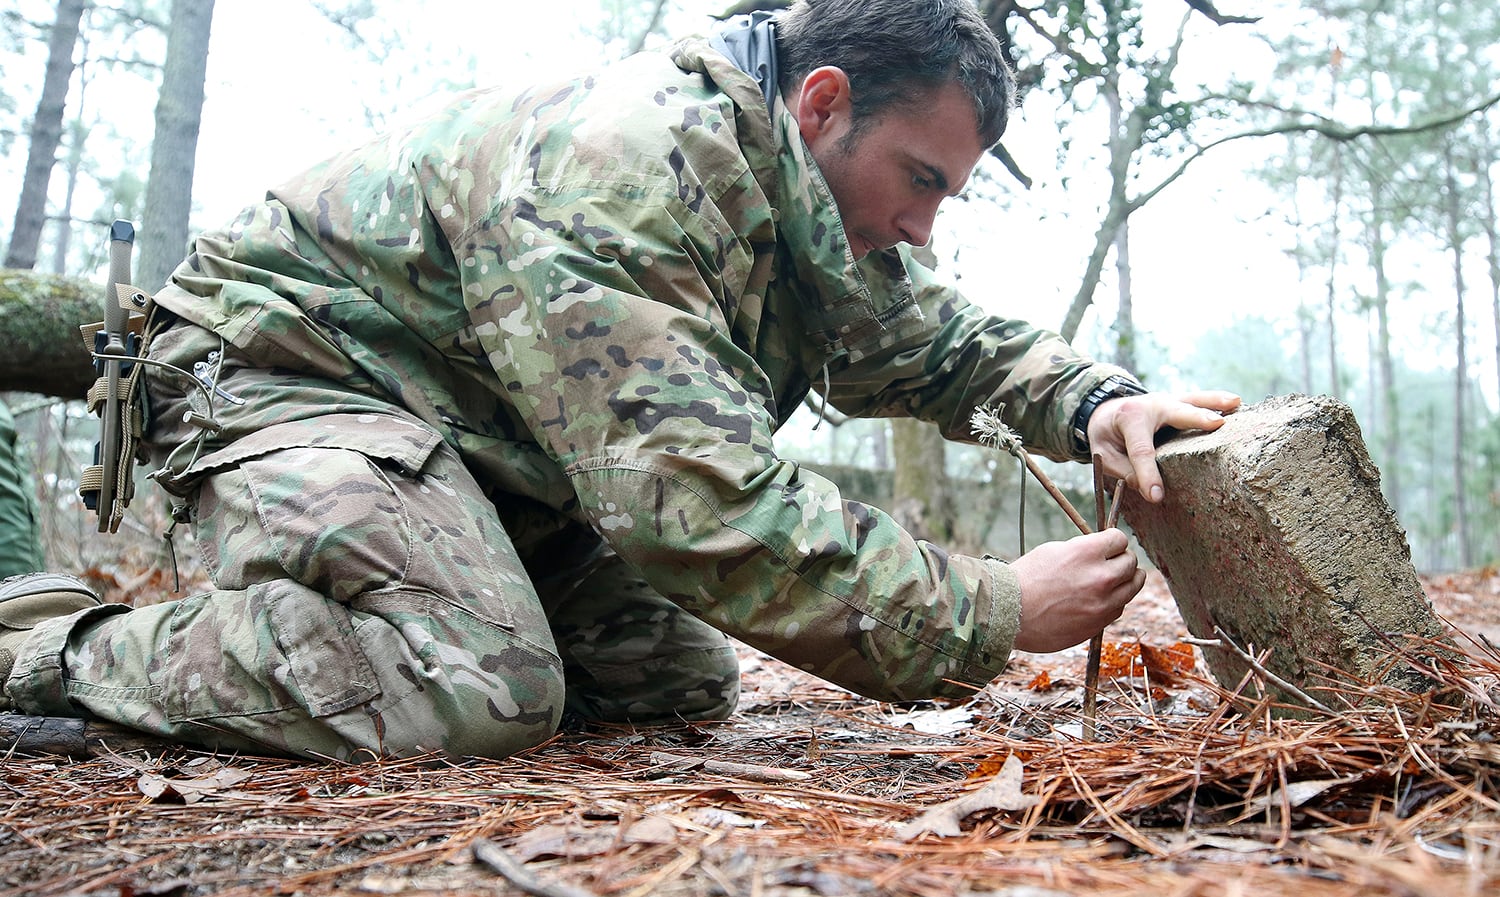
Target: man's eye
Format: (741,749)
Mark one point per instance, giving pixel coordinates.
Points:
(920,182)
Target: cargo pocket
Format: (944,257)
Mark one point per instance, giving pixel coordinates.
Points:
(277,652)
(311,501)
(404,444)
(292,522)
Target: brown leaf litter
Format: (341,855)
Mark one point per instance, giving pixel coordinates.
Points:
(1192,791)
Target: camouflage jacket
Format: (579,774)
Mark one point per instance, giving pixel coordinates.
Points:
(608,293)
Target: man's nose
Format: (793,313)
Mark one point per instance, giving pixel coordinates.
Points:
(916,224)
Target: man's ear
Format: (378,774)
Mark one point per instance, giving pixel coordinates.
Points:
(824,104)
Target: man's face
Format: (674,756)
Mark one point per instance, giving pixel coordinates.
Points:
(888,180)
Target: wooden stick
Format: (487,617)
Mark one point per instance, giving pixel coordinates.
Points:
(493,857)
(1114,506)
(749,771)
(1057,496)
(1096,644)
(1224,641)
(1001,437)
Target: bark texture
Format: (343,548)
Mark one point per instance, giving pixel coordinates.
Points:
(39,319)
(174,147)
(1275,531)
(46,134)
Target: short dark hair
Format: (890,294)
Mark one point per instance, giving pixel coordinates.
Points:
(896,52)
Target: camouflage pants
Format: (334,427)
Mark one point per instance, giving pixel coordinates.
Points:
(368,600)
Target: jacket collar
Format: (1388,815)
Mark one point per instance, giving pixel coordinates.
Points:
(750,43)
(851,309)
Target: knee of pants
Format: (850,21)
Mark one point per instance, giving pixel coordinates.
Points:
(698,685)
(498,725)
(459,685)
(458,711)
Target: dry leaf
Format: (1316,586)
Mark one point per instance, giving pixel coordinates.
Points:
(1167,666)
(651,830)
(1117,660)
(562,842)
(169,790)
(1299,793)
(936,722)
(1003,792)
(1163,666)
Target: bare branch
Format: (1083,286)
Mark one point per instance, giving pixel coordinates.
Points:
(640,41)
(1325,128)
(1212,13)
(1011,165)
(1058,44)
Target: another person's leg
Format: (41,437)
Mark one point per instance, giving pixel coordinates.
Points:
(20,530)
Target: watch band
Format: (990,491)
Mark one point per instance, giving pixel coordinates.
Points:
(1113,387)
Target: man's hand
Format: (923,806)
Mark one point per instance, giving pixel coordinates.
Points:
(1071,590)
(1123,432)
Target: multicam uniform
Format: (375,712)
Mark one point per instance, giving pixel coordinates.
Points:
(20,538)
(510,383)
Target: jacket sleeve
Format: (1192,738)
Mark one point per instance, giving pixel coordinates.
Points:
(606,313)
(966,359)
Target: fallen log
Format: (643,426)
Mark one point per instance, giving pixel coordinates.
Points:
(1274,537)
(68,737)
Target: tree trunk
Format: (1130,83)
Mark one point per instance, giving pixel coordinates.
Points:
(639,43)
(1461,369)
(1125,317)
(1333,271)
(1304,314)
(174,146)
(1126,138)
(922,505)
(1125,314)
(64,240)
(1104,238)
(39,315)
(1487,221)
(1305,340)
(1386,397)
(46,133)
(1335,66)
(920,502)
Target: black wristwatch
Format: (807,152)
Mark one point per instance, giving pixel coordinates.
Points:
(1113,387)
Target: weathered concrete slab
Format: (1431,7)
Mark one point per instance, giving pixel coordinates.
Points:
(1274,528)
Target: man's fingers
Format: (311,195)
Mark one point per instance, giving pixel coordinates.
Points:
(1201,410)
(1190,416)
(1212,399)
(1140,448)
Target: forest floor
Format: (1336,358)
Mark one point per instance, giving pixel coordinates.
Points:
(1189,791)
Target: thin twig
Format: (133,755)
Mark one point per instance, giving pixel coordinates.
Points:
(1224,641)
(1114,506)
(753,772)
(494,858)
(1096,644)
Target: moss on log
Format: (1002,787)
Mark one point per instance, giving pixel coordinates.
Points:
(39,319)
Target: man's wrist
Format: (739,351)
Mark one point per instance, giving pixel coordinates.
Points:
(1115,386)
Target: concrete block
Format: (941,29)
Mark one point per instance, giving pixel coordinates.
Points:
(1275,530)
